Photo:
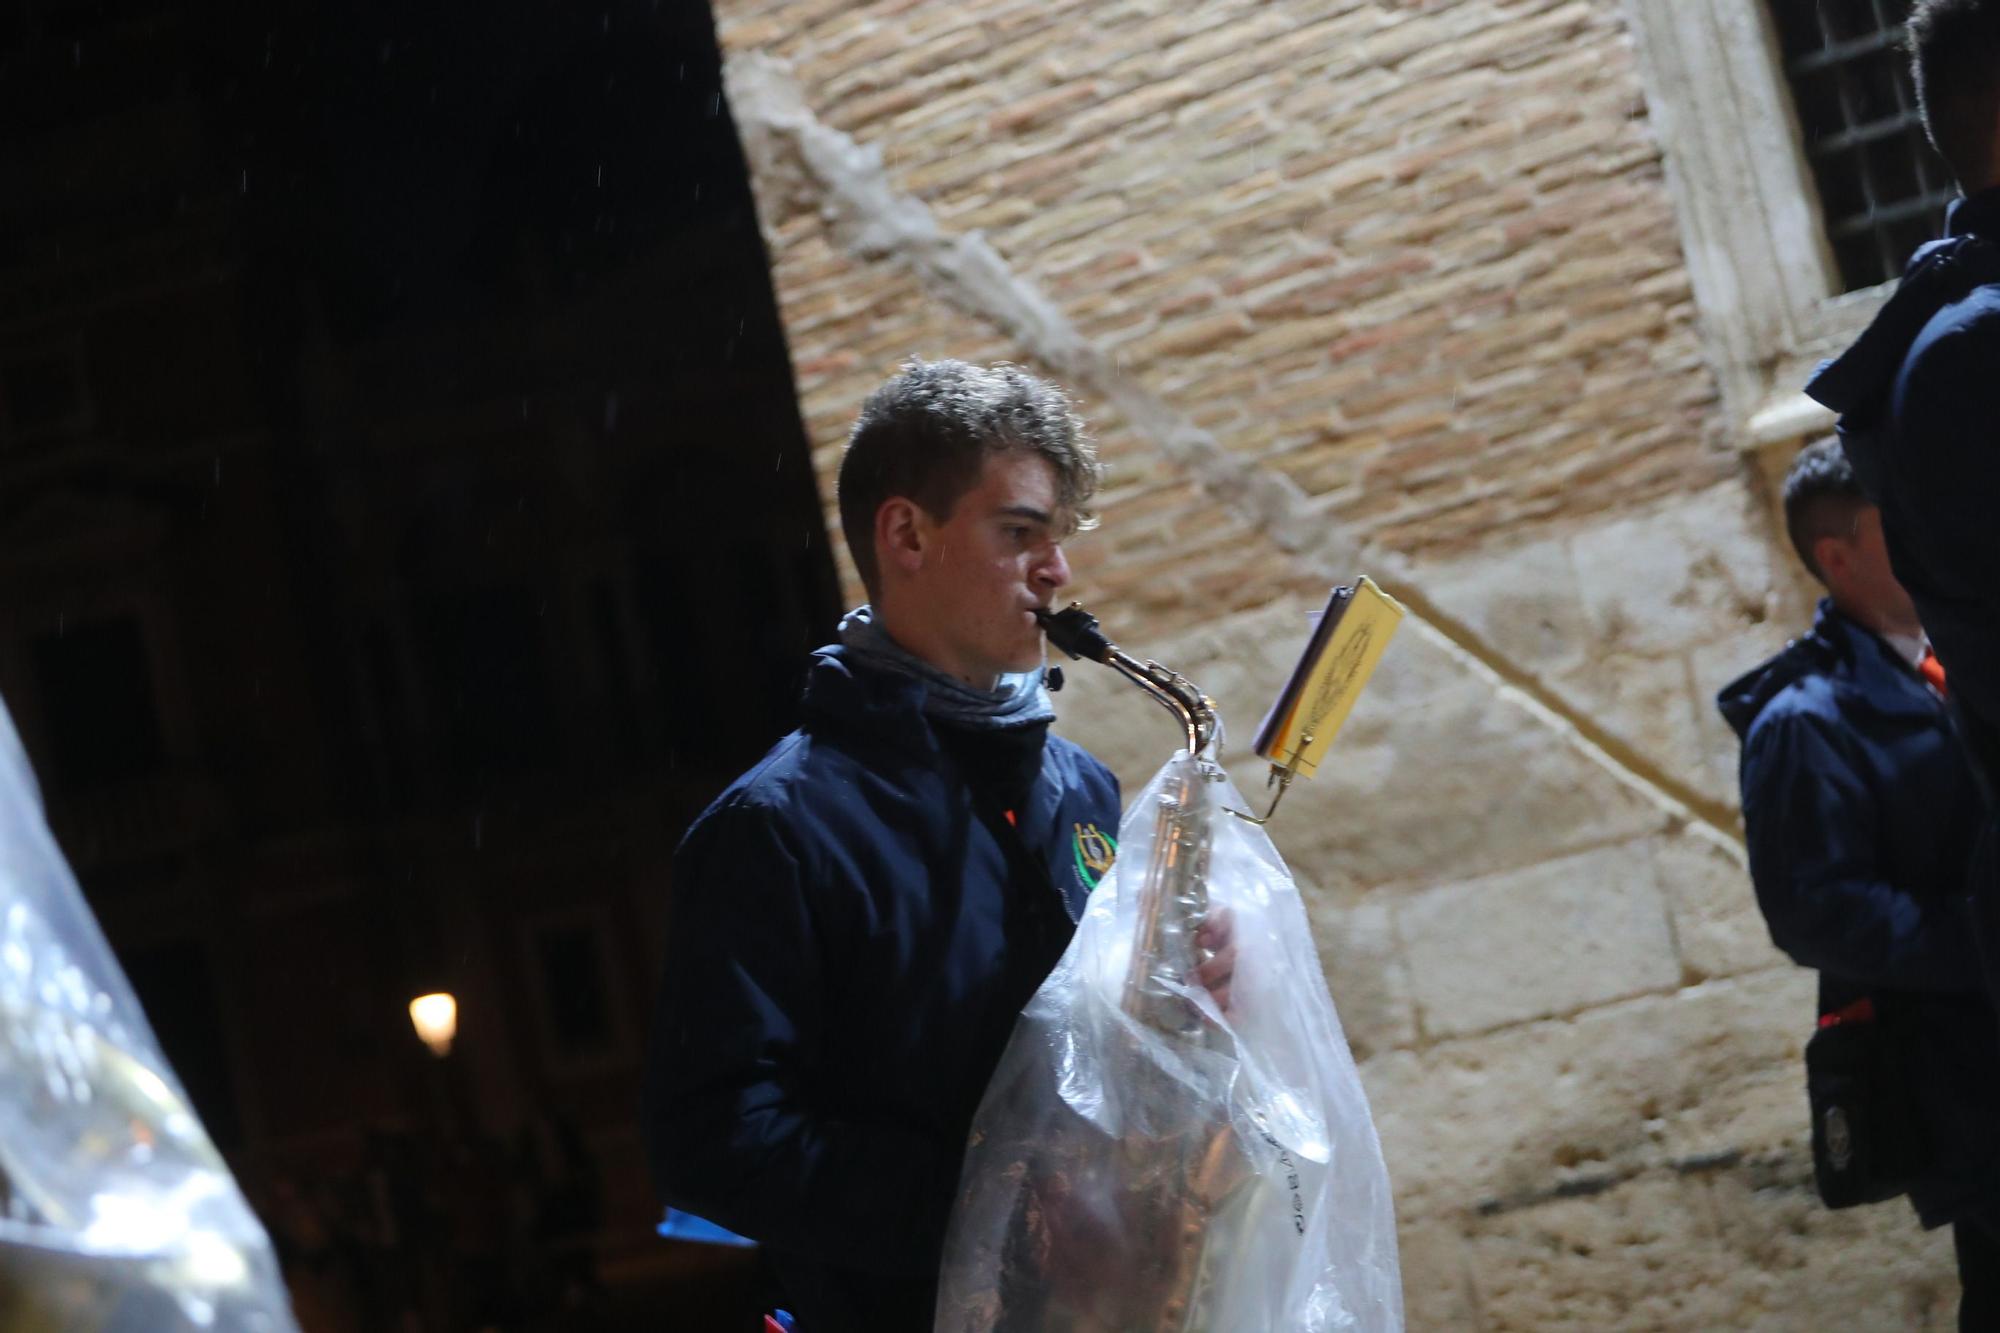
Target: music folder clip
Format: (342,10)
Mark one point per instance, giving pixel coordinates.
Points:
(1346,644)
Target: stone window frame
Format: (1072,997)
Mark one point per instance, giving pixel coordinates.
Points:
(1900,186)
(1764,276)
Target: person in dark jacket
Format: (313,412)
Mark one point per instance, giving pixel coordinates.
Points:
(1919,403)
(858,920)
(1862,815)
(1918,394)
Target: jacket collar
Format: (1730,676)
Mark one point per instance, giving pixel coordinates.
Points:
(1870,668)
(871,709)
(1975,215)
(846,697)
(1858,664)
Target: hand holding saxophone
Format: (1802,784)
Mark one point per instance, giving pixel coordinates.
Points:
(1217,939)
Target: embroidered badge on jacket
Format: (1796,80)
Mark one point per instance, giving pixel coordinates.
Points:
(1095,851)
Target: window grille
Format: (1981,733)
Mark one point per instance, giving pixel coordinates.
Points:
(1882,188)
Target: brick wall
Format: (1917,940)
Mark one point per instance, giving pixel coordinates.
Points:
(1396,288)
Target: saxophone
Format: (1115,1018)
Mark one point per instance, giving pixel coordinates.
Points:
(1142,1161)
(1174,900)
(1166,1197)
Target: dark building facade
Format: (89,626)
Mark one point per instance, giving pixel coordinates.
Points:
(405,527)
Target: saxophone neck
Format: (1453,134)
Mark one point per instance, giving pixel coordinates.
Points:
(1075,631)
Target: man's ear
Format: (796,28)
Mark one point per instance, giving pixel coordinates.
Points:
(901,534)
(1832,557)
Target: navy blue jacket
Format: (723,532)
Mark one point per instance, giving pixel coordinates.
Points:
(1862,817)
(851,939)
(1919,402)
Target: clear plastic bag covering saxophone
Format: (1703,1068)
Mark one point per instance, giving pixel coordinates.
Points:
(116,1213)
(1144,1162)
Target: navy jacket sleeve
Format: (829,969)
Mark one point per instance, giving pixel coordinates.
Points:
(1818,868)
(1948,414)
(733,1130)
(1948,463)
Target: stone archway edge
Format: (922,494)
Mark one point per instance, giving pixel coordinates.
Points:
(795,155)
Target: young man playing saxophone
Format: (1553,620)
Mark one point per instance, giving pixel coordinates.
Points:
(859,919)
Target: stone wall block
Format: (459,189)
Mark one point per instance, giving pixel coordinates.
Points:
(1634,622)
(1550,939)
(1437,777)
(1682,574)
(1794,1266)
(1437,1276)
(1365,972)
(1644,1254)
(1736,1246)
(1713,907)
(1649,702)
(1529,607)
(1711,1072)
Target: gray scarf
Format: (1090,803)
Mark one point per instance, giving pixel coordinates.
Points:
(1019,701)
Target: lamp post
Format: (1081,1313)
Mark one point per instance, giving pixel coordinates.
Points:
(435,1017)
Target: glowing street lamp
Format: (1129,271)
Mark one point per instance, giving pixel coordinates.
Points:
(436,1020)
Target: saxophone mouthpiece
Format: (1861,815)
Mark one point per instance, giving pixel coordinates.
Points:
(1074,630)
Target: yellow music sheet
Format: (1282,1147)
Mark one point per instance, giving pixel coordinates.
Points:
(1349,640)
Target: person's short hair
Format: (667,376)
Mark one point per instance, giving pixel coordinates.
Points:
(925,436)
(1955,57)
(1822,499)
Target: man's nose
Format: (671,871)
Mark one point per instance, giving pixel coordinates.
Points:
(1053,571)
